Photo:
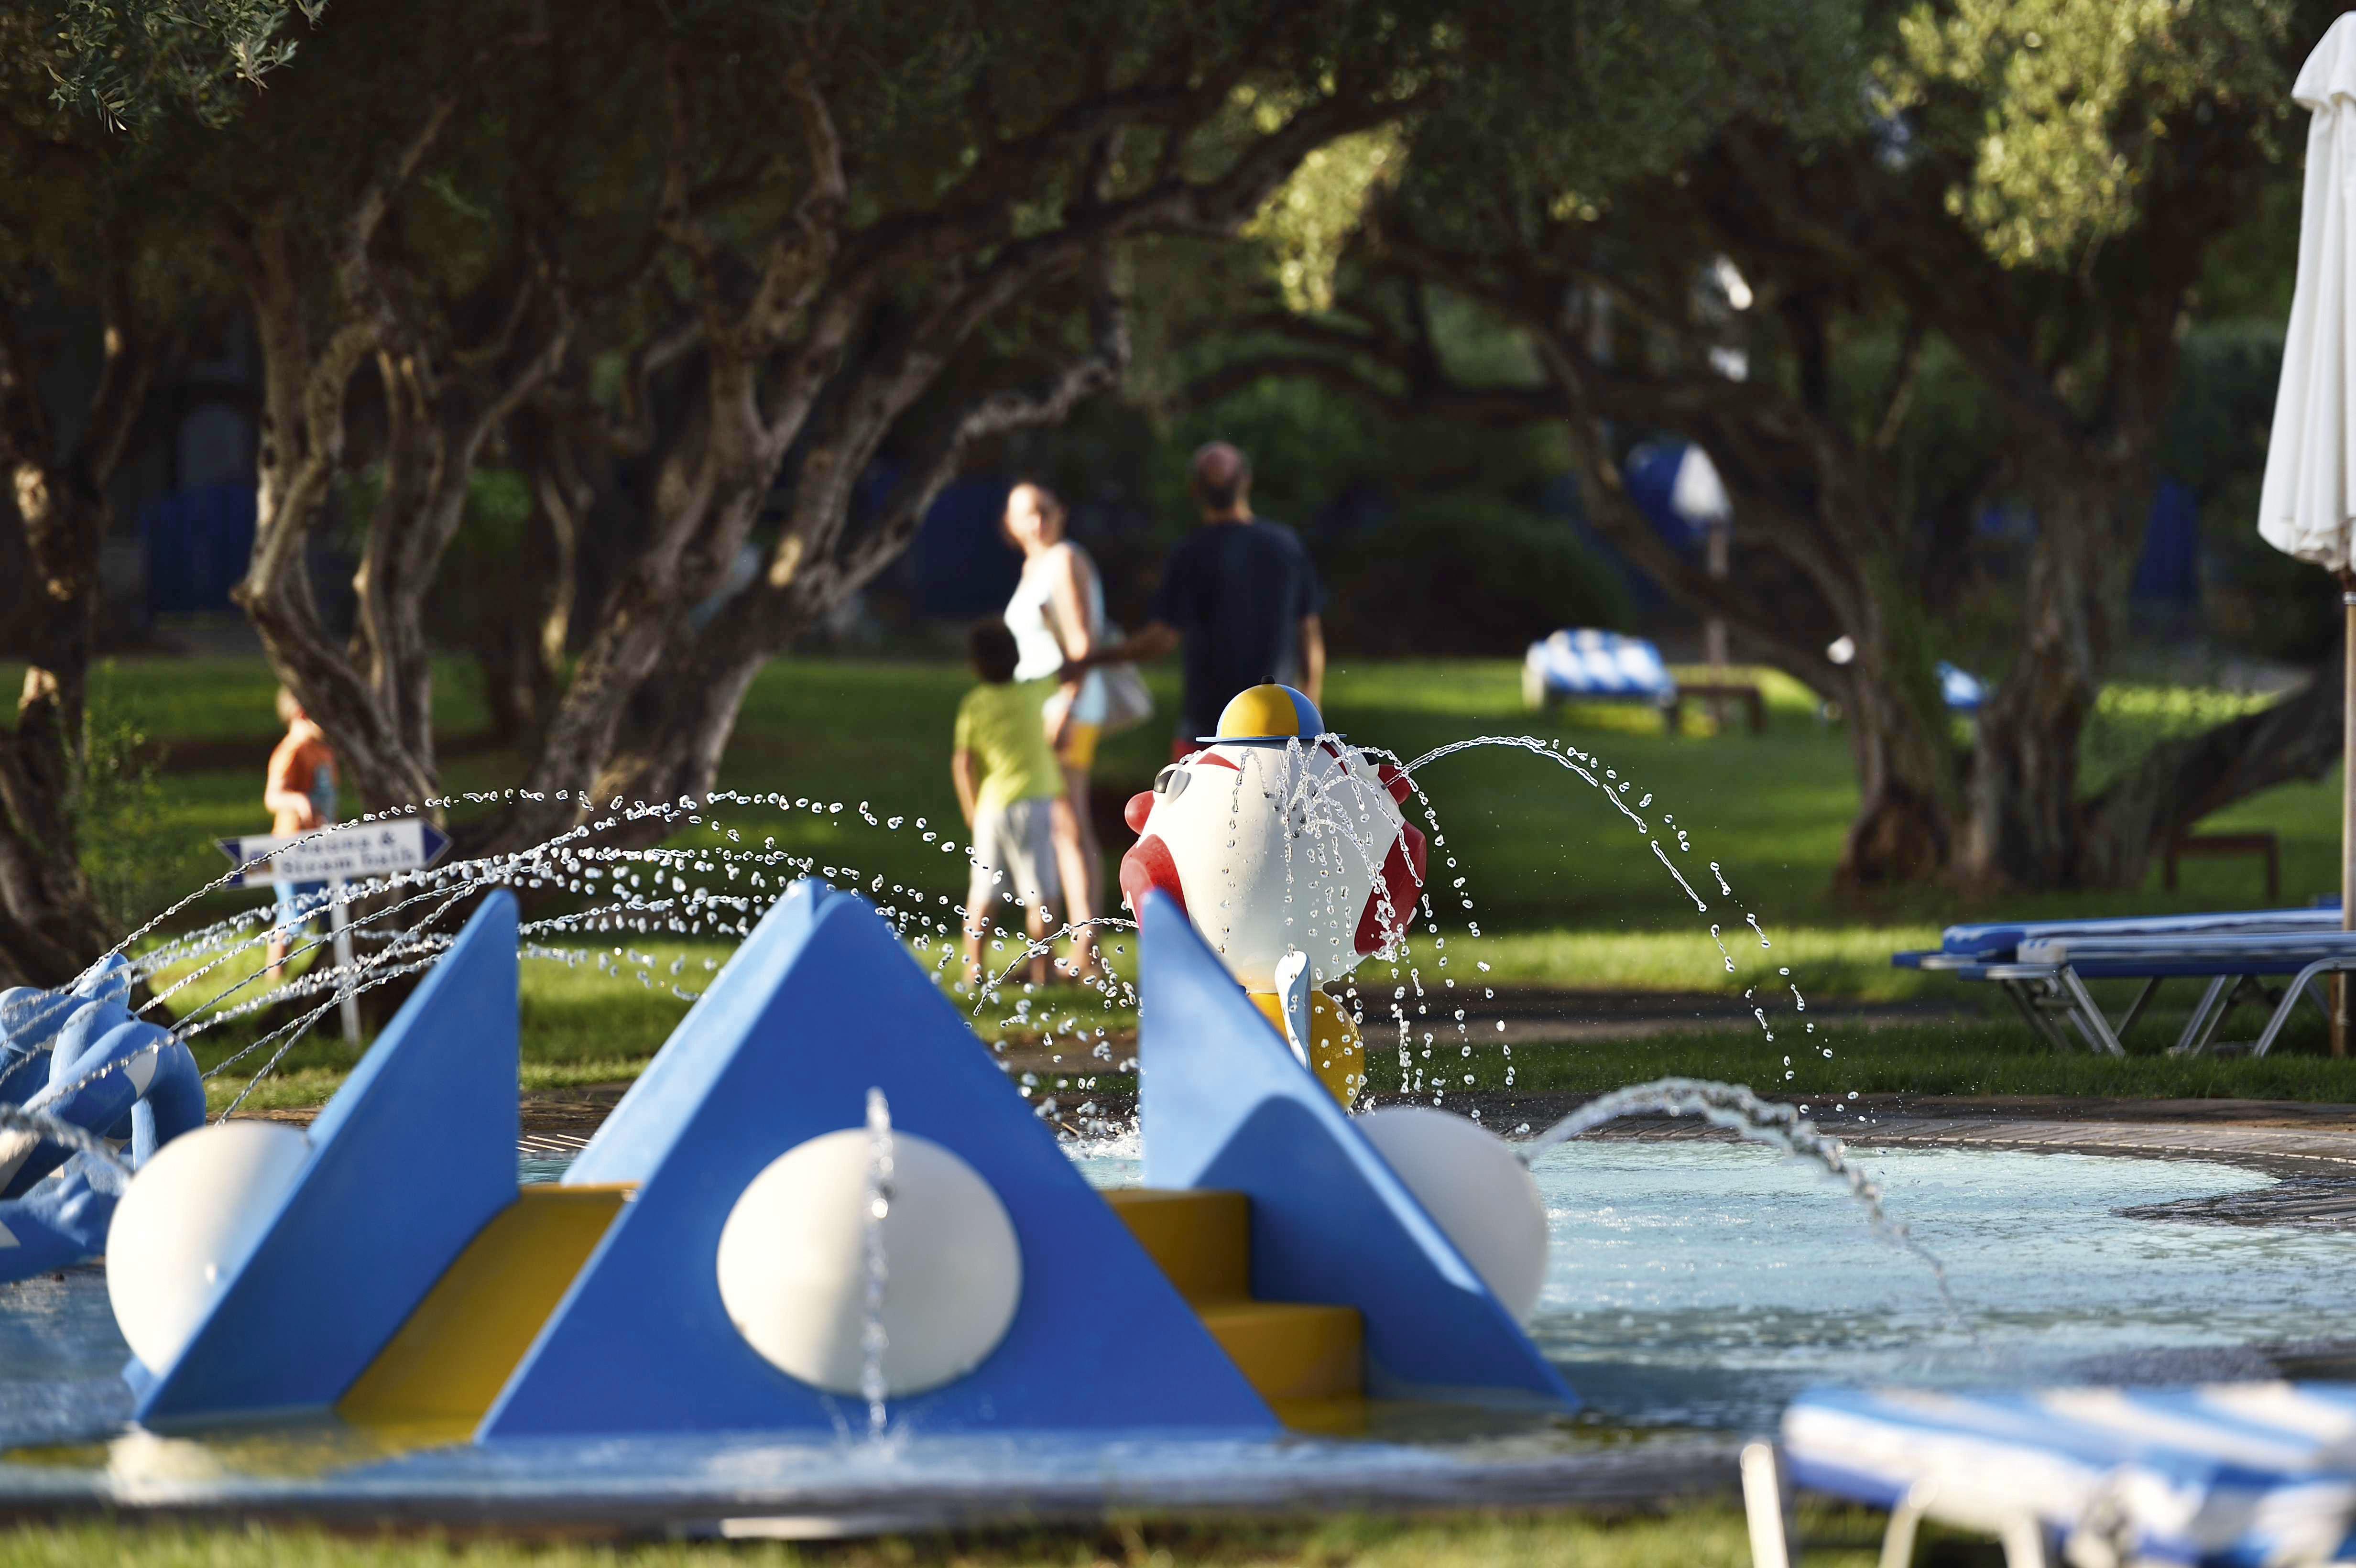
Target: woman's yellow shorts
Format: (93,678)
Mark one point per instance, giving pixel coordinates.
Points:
(1079,747)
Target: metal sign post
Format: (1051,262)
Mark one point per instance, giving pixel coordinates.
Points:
(336,856)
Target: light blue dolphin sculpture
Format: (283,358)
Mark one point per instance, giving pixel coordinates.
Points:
(78,1056)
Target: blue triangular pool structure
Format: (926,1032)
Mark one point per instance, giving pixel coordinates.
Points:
(819,1005)
(413,1156)
(643,1127)
(1223,1103)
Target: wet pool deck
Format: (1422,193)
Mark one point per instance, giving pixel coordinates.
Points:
(1651,1474)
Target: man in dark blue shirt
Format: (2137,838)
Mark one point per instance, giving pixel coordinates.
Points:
(1239,598)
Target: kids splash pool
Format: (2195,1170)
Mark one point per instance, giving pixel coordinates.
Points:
(1692,1287)
(748,1299)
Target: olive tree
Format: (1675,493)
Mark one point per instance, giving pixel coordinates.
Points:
(1757,227)
(96,269)
(749,246)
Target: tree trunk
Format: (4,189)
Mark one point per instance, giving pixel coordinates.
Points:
(51,922)
(50,925)
(693,712)
(518,688)
(443,393)
(548,451)
(2023,823)
(2181,780)
(1904,830)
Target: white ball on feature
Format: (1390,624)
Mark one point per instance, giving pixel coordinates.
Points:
(190,1218)
(793,1264)
(1475,1191)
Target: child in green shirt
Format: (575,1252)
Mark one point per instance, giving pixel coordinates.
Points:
(1007,782)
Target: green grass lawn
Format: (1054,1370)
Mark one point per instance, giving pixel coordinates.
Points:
(1968,1057)
(1709,1535)
(1565,890)
(1538,848)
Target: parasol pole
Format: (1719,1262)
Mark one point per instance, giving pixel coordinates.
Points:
(2340,988)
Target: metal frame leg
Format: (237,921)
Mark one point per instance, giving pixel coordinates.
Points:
(2195,1034)
(2134,1008)
(1767,1505)
(2217,1020)
(2024,1543)
(2088,1017)
(2017,1528)
(1905,1525)
(2026,1000)
(2290,1000)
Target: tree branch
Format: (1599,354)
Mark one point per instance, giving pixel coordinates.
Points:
(2181,780)
(998,413)
(359,280)
(1897,395)
(797,268)
(25,430)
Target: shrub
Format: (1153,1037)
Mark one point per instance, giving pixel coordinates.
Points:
(134,855)
(1472,577)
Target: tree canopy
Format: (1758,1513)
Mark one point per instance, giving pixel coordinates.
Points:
(697,275)
(1777,230)
(135,67)
(597,305)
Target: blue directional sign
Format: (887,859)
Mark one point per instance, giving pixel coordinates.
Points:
(343,853)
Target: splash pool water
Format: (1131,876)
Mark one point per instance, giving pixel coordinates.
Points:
(1692,1285)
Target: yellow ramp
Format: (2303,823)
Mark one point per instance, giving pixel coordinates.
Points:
(1201,1239)
(1306,1359)
(1291,1351)
(449,1361)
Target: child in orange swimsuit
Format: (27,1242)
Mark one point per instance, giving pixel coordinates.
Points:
(300,792)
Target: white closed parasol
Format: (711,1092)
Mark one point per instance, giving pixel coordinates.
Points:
(2309,501)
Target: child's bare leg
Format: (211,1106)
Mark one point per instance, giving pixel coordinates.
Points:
(1075,857)
(977,926)
(1035,921)
(277,955)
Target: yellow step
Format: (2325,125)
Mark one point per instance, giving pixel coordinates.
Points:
(1305,1358)
(448,1362)
(1201,1239)
(1291,1351)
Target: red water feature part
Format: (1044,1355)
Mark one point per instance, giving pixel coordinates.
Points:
(1393,779)
(1139,808)
(1148,865)
(1402,881)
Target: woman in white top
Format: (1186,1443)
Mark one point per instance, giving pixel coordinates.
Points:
(1056,616)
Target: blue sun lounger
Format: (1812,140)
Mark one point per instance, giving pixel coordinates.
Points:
(1596,666)
(2043,967)
(2223,1474)
(2230,960)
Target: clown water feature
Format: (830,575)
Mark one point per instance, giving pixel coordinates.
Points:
(1288,851)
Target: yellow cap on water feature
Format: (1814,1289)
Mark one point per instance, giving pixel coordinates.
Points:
(1335,1054)
(1269,712)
